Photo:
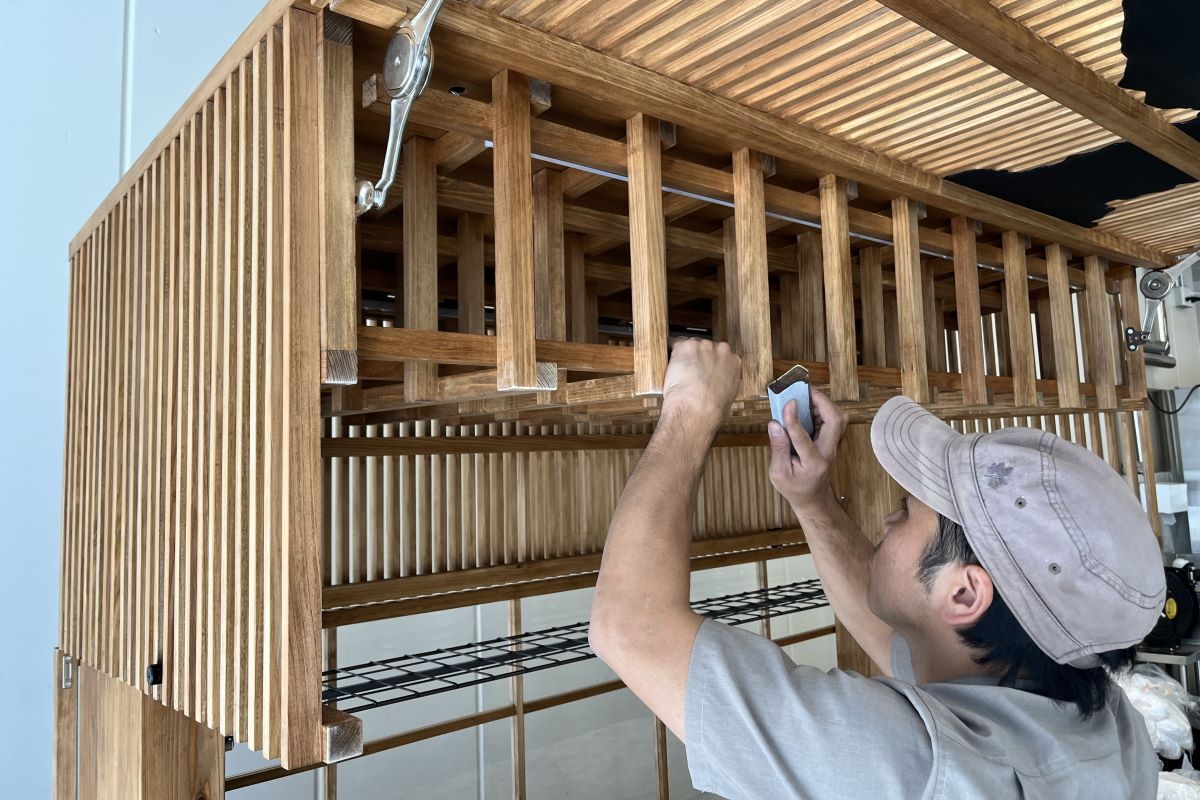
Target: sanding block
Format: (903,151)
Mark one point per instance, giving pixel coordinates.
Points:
(792,385)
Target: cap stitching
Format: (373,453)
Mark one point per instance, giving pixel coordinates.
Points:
(1086,556)
(898,430)
(1003,545)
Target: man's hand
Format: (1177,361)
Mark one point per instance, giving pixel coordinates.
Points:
(702,380)
(802,476)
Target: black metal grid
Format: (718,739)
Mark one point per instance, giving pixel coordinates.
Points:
(394,680)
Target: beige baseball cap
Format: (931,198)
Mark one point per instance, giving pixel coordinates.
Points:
(1063,537)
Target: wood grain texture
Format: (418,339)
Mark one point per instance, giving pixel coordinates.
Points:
(515,289)
(1020,330)
(991,35)
(419,286)
(300,577)
(339,277)
(839,290)
(1131,317)
(648,255)
(1063,323)
(752,299)
(870,271)
(966,288)
(1099,341)
(914,370)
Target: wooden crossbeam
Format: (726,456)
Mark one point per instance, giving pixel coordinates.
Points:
(997,39)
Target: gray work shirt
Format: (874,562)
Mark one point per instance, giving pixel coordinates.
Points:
(759,726)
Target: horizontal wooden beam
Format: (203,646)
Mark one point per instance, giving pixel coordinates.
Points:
(488,38)
(997,39)
(756,546)
(402,344)
(341,447)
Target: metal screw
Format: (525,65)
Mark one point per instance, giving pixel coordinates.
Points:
(1055,568)
(228,744)
(1021,502)
(457,91)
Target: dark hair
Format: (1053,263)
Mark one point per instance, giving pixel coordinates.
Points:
(1002,645)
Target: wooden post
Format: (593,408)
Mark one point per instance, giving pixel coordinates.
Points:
(1131,317)
(419,286)
(1100,340)
(870,270)
(516,368)
(339,277)
(1020,331)
(966,291)
(812,296)
(914,370)
(550,318)
(1063,321)
(577,318)
(648,255)
(299,538)
(839,289)
(470,274)
(753,299)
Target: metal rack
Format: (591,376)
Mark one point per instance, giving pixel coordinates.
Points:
(375,684)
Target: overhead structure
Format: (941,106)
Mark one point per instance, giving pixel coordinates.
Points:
(284,418)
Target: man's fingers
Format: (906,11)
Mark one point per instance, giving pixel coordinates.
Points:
(781,448)
(801,441)
(833,424)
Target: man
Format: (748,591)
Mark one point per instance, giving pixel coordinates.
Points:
(1019,568)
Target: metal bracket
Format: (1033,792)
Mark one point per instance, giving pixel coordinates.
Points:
(1155,285)
(406,68)
(68,672)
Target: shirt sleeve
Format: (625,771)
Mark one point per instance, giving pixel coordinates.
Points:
(759,726)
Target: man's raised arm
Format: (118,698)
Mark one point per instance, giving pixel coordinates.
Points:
(840,550)
(642,623)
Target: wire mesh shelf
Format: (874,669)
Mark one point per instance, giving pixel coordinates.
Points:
(381,683)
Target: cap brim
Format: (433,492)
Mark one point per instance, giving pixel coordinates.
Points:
(912,445)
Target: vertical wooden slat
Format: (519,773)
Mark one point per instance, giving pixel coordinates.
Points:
(470,273)
(753,298)
(812,294)
(300,578)
(730,288)
(420,273)
(934,357)
(201,557)
(870,270)
(1020,331)
(516,368)
(1063,320)
(339,286)
(966,292)
(1135,360)
(839,290)
(648,255)
(173,283)
(914,370)
(577,316)
(230,225)
(550,313)
(186,428)
(1100,339)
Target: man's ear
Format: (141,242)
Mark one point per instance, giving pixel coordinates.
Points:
(967,593)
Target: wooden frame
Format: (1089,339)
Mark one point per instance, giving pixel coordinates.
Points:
(494,338)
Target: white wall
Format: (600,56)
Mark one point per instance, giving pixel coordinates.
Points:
(78,106)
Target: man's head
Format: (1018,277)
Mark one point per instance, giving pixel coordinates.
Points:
(1029,548)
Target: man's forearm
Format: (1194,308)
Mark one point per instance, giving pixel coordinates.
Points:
(645,571)
(842,555)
